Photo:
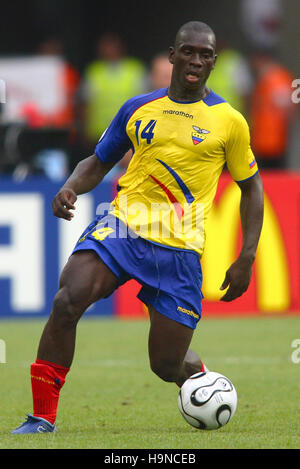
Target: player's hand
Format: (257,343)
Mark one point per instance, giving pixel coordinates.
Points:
(237,279)
(63,202)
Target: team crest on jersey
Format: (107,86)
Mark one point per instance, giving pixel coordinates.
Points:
(198,135)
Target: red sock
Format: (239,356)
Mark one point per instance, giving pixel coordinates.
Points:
(47,379)
(203,367)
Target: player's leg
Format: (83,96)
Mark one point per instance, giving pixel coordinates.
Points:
(169,353)
(84,280)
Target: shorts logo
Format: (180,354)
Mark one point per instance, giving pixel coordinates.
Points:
(189,312)
(102,233)
(198,135)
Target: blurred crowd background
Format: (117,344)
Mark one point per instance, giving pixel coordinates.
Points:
(66,67)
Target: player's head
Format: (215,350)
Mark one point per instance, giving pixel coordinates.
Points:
(193,55)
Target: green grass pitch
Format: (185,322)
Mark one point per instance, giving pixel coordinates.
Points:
(112,400)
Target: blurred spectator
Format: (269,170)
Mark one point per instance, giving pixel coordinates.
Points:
(160,72)
(69,83)
(55,162)
(232,78)
(108,82)
(271,111)
(39,116)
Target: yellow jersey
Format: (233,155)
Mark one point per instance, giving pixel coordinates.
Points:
(179,152)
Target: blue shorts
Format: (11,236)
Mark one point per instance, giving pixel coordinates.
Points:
(171,279)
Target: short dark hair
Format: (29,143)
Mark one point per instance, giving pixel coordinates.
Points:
(198,26)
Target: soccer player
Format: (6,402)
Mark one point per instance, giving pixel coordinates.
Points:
(181,137)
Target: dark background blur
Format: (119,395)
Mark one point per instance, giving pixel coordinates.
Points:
(147,27)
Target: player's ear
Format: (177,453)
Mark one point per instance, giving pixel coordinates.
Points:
(171,55)
(215,60)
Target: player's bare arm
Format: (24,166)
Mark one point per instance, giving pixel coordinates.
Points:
(239,274)
(85,177)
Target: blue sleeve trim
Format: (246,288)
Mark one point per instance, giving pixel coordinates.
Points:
(213,98)
(114,142)
(247,179)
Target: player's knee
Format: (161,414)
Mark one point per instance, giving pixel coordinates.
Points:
(165,370)
(65,307)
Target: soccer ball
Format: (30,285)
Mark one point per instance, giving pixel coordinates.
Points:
(207,400)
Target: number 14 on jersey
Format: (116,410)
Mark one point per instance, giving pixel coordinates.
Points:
(146,133)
